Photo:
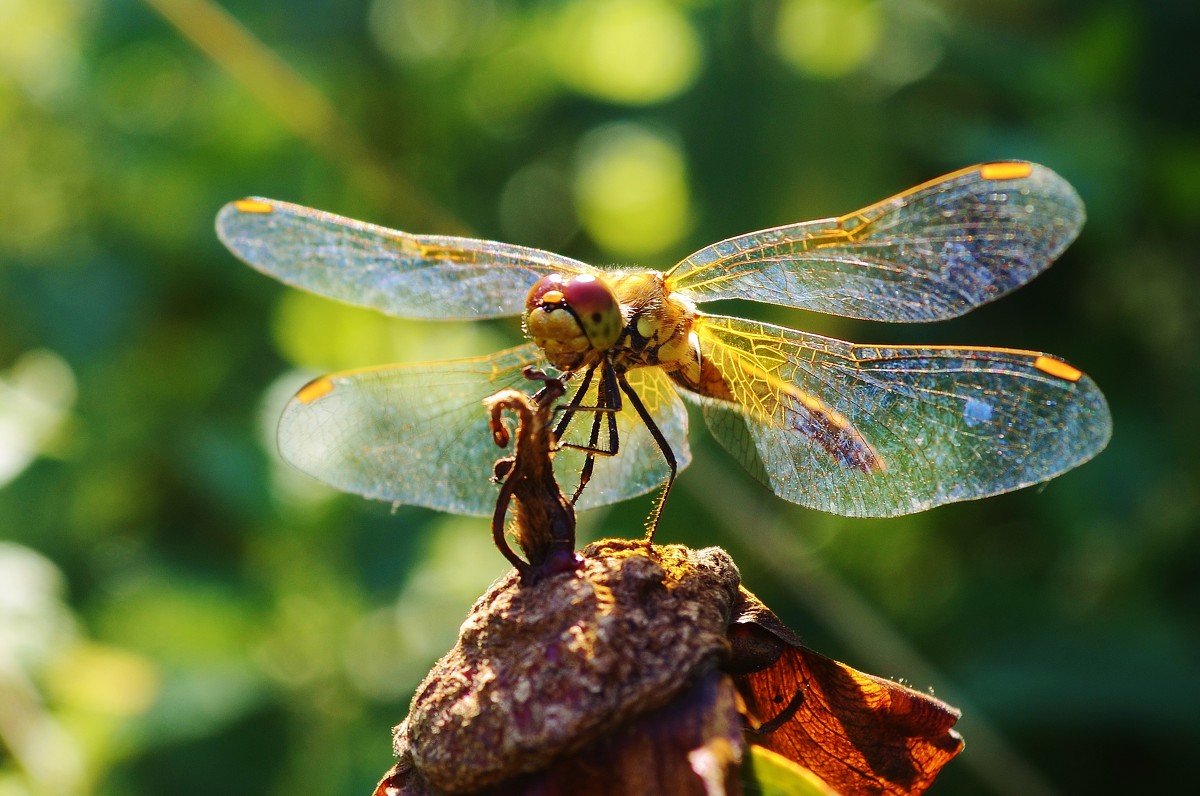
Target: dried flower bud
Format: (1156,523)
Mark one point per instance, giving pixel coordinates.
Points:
(542,670)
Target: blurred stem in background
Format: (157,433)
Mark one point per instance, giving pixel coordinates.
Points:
(303,109)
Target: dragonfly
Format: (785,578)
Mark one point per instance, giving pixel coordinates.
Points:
(852,429)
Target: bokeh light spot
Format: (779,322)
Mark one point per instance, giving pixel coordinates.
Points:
(535,207)
(911,45)
(504,90)
(636,52)
(324,335)
(35,624)
(429,30)
(35,399)
(106,679)
(40,48)
(827,38)
(631,190)
(389,651)
(320,334)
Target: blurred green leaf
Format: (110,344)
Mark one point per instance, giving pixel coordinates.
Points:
(771,774)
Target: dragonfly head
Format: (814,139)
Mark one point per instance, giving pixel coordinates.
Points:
(572,318)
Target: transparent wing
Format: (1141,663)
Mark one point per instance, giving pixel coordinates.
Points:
(869,431)
(639,466)
(932,252)
(412,276)
(418,434)
(415,434)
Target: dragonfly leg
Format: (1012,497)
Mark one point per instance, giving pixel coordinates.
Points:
(663,447)
(571,407)
(553,386)
(604,409)
(589,461)
(576,405)
(608,403)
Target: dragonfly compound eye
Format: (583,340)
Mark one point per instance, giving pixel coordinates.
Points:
(553,325)
(547,290)
(596,308)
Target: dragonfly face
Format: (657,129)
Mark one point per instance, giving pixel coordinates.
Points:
(575,320)
(859,430)
(630,318)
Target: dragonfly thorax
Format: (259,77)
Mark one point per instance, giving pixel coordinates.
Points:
(658,325)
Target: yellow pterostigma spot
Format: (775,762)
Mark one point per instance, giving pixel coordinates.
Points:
(253,206)
(1005,170)
(1058,368)
(317,388)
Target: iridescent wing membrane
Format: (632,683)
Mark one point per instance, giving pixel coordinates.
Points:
(930,253)
(875,431)
(856,430)
(414,434)
(410,276)
(418,434)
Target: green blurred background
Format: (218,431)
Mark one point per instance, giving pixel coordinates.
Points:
(181,613)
